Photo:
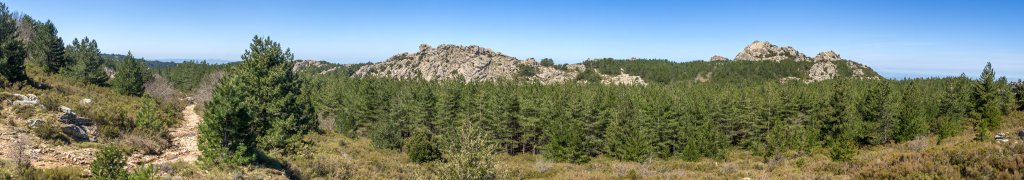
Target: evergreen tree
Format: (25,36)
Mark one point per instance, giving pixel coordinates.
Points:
(226,135)
(88,65)
(259,104)
(12,52)
(130,77)
(628,138)
(49,49)
(547,62)
(272,92)
(840,116)
(146,119)
(565,142)
(421,147)
(986,104)
(109,164)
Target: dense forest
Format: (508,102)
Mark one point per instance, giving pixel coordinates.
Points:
(665,71)
(574,122)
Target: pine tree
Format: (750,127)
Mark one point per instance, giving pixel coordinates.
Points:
(565,142)
(109,164)
(146,119)
(226,135)
(986,104)
(273,94)
(88,65)
(130,77)
(421,147)
(840,117)
(12,52)
(259,104)
(628,138)
(50,48)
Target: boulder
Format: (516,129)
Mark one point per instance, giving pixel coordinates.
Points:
(33,122)
(76,132)
(85,101)
(65,109)
(29,99)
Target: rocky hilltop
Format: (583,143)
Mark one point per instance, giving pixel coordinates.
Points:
(825,63)
(764,51)
(472,63)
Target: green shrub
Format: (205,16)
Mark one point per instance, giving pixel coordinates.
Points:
(421,147)
(50,132)
(526,70)
(109,164)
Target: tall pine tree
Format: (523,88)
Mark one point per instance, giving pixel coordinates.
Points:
(259,104)
(131,75)
(88,65)
(50,48)
(987,109)
(12,52)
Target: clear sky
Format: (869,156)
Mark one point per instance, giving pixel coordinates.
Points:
(896,38)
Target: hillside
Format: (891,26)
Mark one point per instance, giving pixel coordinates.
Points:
(474,63)
(758,62)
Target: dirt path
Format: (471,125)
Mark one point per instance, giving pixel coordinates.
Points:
(183,142)
(184,139)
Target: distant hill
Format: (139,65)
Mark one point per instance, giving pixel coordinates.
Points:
(152,64)
(758,62)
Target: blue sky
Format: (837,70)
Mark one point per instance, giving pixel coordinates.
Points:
(897,38)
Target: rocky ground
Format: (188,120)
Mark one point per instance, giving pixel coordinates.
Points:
(183,138)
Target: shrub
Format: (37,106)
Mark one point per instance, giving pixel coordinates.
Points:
(109,164)
(50,132)
(526,70)
(421,147)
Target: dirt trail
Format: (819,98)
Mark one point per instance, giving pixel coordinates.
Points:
(183,142)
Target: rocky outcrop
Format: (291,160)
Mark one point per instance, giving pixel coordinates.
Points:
(821,71)
(302,64)
(446,62)
(79,128)
(622,79)
(764,51)
(827,56)
(468,63)
(717,58)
